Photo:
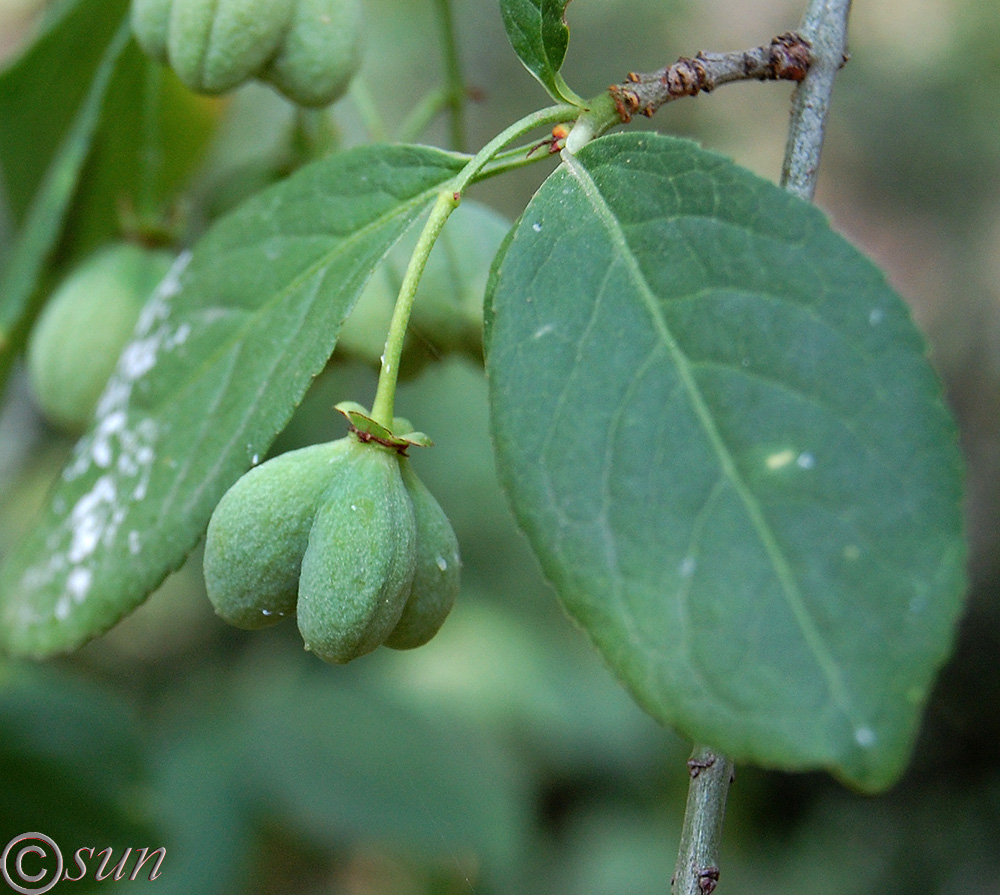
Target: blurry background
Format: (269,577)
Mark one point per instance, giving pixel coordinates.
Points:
(503,757)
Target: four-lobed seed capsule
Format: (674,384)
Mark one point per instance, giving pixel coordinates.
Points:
(308,49)
(342,535)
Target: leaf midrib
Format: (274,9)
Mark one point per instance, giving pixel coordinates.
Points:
(790,591)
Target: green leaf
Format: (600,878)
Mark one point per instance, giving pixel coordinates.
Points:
(153,132)
(718,428)
(222,353)
(41,176)
(44,90)
(393,774)
(538,32)
(333,763)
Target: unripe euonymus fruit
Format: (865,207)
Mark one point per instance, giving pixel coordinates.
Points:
(343,535)
(448,306)
(436,575)
(358,566)
(308,49)
(259,531)
(77,339)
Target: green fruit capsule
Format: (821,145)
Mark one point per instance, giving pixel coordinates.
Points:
(213,45)
(259,532)
(89,319)
(320,53)
(436,577)
(359,563)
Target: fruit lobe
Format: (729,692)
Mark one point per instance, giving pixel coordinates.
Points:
(320,52)
(359,563)
(259,532)
(437,571)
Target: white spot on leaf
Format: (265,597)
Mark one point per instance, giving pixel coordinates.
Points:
(779,459)
(78,583)
(120,443)
(865,737)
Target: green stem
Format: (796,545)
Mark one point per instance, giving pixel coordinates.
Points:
(383,409)
(314,135)
(151,158)
(447,201)
(542,118)
(453,74)
(368,109)
(422,115)
(697,869)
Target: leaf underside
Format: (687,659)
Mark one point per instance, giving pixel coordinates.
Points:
(717,426)
(222,354)
(538,32)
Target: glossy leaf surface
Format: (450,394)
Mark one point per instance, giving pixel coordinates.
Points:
(718,428)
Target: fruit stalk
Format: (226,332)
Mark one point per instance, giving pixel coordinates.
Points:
(385,397)
(447,201)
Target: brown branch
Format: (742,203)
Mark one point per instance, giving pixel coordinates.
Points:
(786,58)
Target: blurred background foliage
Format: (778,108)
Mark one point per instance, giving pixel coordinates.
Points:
(503,757)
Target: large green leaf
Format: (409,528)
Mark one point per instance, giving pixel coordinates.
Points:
(538,32)
(718,428)
(221,355)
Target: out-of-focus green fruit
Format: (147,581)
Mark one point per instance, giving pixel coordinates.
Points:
(213,45)
(151,26)
(307,49)
(359,563)
(320,53)
(259,532)
(87,322)
(436,577)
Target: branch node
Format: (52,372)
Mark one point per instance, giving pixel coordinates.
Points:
(708,879)
(697,765)
(626,102)
(790,57)
(686,77)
